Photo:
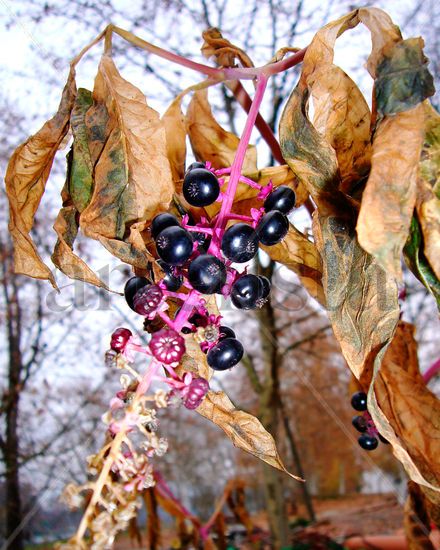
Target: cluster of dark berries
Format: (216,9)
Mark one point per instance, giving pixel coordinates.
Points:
(196,259)
(369,440)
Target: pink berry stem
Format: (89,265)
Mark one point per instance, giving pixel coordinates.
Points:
(169,322)
(178,295)
(237,165)
(433,371)
(222,171)
(196,229)
(250,182)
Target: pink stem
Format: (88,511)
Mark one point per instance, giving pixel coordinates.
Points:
(237,165)
(433,370)
(233,216)
(250,182)
(196,229)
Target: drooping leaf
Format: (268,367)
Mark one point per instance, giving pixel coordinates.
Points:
(405,411)
(175,129)
(81,171)
(402,77)
(244,430)
(390,195)
(133,180)
(209,141)
(417,261)
(342,116)
(26,177)
(223,50)
(428,198)
(361,298)
(300,255)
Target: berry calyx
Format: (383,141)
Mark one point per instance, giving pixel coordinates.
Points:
(197,390)
(240,243)
(246,292)
(368,442)
(272,228)
(171,281)
(200,187)
(147,299)
(225,354)
(360,423)
(161,222)
(132,286)
(207,274)
(167,346)
(359,401)
(282,198)
(120,338)
(174,245)
(226,332)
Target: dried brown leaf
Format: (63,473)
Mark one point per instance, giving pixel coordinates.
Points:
(26,177)
(244,430)
(175,128)
(133,180)
(409,414)
(389,197)
(223,50)
(300,255)
(209,141)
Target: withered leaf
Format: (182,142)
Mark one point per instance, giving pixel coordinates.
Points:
(223,50)
(175,129)
(209,141)
(300,255)
(402,77)
(26,177)
(133,180)
(81,170)
(406,412)
(244,430)
(428,183)
(361,298)
(417,262)
(390,194)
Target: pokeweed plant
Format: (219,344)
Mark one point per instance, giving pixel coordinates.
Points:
(372,178)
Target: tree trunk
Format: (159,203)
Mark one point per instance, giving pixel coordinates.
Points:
(268,415)
(10,446)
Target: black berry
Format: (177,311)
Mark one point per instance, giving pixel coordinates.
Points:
(225,354)
(359,423)
(195,165)
(171,281)
(200,187)
(207,274)
(359,401)
(132,286)
(226,332)
(265,286)
(282,198)
(203,240)
(240,243)
(381,437)
(368,442)
(161,222)
(174,245)
(246,292)
(272,228)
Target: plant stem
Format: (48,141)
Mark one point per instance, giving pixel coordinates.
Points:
(433,371)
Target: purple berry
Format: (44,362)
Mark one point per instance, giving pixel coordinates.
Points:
(147,299)
(359,401)
(368,442)
(119,339)
(167,346)
(360,423)
(197,390)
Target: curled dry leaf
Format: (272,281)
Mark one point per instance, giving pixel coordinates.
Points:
(133,180)
(225,52)
(428,182)
(244,430)
(209,141)
(406,411)
(26,177)
(300,255)
(390,194)
(175,129)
